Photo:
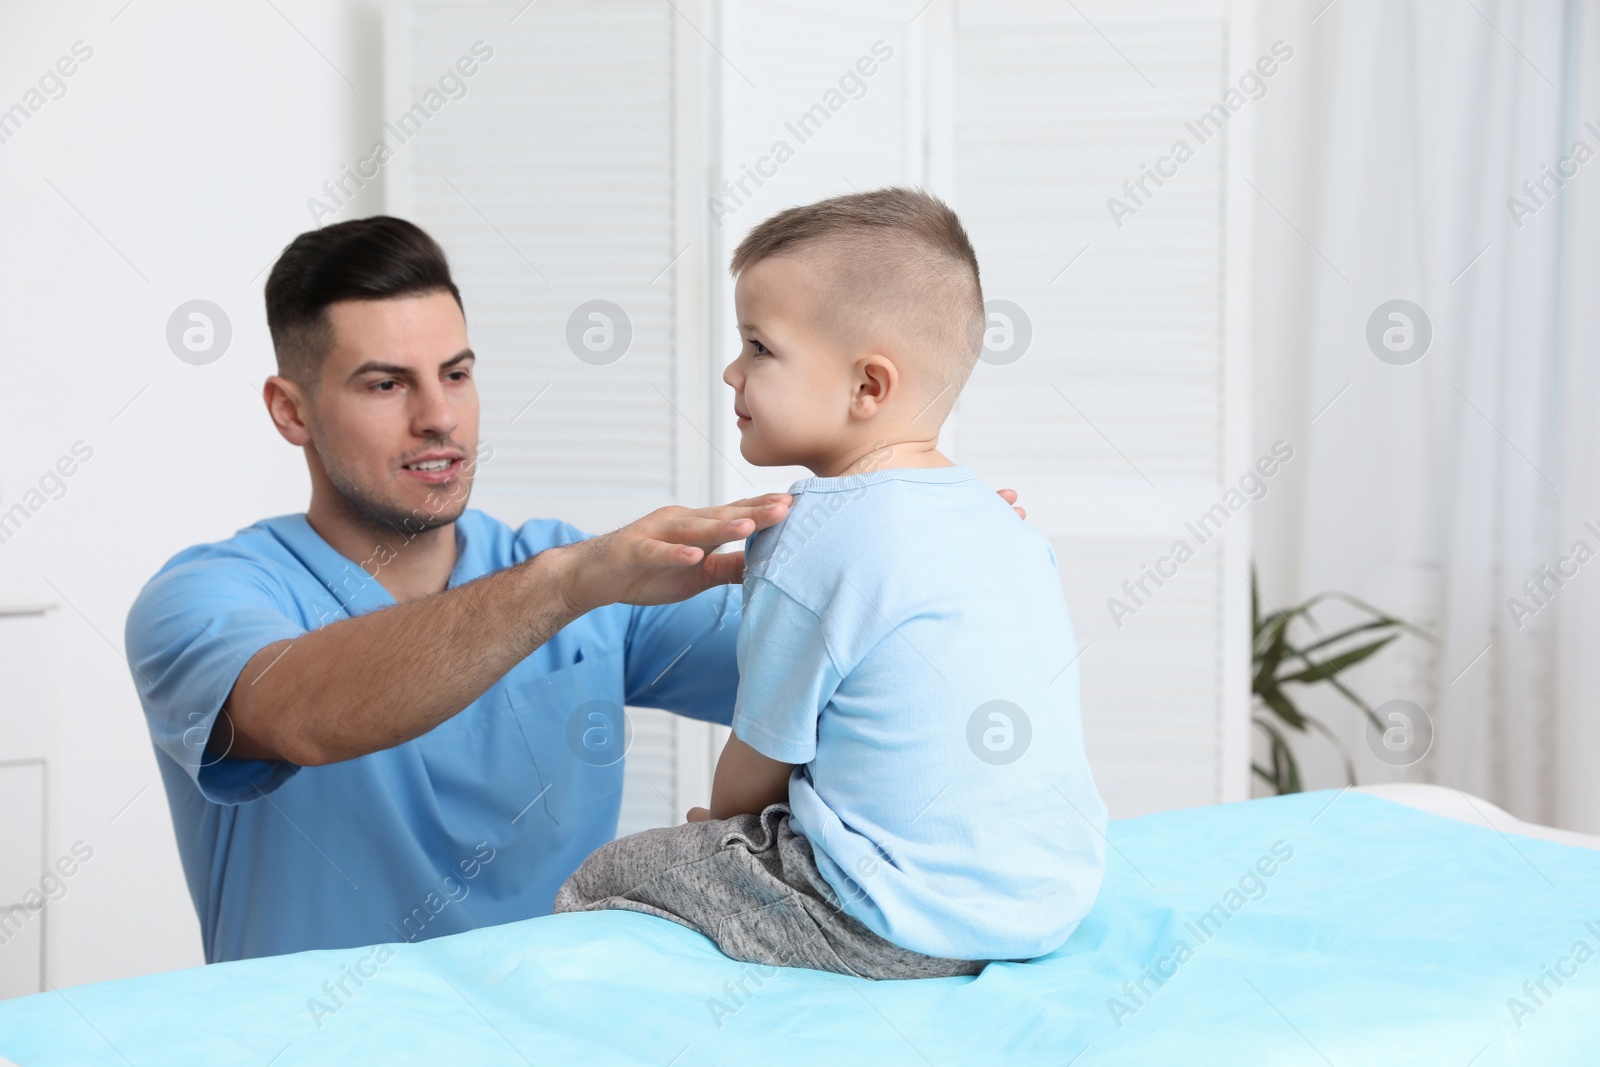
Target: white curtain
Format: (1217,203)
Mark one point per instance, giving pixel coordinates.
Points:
(1437,488)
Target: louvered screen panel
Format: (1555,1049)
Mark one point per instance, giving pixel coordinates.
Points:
(550,183)
(1113,421)
(650,776)
(783,59)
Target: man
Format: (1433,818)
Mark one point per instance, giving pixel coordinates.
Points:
(393,717)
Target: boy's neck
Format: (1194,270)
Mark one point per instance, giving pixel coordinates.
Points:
(903,454)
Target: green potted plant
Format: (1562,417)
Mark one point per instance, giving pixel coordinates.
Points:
(1279,662)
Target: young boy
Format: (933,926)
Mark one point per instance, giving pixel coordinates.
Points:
(905,793)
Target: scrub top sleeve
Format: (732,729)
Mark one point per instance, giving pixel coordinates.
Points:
(189,634)
(787,676)
(536,535)
(683,657)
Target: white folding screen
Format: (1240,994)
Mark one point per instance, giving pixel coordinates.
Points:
(814,99)
(618,151)
(1124,419)
(550,174)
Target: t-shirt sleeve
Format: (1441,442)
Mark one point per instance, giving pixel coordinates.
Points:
(786,675)
(190,632)
(682,657)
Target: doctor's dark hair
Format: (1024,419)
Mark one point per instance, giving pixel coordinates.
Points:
(363,259)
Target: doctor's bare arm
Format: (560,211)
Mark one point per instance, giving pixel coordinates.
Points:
(378,680)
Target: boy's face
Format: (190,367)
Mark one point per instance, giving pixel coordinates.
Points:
(791,382)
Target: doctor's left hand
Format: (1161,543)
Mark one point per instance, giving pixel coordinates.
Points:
(664,557)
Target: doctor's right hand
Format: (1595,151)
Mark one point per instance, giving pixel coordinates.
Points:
(664,557)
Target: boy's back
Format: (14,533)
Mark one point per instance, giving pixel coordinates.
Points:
(905,793)
(905,640)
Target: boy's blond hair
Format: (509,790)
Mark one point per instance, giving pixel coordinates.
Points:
(900,269)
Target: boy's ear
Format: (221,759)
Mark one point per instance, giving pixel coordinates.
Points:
(876,381)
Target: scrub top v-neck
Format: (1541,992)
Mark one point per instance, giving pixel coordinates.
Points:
(474,823)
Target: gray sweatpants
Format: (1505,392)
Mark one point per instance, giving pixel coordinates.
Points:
(750,884)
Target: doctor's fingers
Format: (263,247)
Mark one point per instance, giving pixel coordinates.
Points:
(762,501)
(722,568)
(708,568)
(764,510)
(652,554)
(706,527)
(695,569)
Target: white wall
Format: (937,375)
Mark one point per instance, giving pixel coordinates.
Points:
(176,166)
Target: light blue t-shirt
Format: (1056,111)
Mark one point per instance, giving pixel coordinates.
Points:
(474,823)
(906,642)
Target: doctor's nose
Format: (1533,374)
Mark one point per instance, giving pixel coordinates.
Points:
(434,415)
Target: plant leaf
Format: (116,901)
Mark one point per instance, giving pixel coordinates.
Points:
(1271,656)
(1328,668)
(1362,605)
(1278,661)
(1366,709)
(1285,708)
(1290,770)
(1376,624)
(1344,753)
(1255,602)
(1267,634)
(1285,775)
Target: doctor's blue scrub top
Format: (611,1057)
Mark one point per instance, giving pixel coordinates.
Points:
(475,823)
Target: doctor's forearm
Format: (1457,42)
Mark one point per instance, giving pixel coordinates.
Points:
(378,680)
(381,679)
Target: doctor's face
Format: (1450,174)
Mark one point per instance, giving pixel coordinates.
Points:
(396,414)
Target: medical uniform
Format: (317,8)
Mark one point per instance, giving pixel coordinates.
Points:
(476,822)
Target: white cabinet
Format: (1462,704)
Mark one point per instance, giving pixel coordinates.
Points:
(26,727)
(21,865)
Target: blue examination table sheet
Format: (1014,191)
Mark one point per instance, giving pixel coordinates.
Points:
(1322,928)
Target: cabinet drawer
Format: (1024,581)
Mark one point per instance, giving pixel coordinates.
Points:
(21,941)
(27,690)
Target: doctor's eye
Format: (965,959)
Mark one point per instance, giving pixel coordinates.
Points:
(380,387)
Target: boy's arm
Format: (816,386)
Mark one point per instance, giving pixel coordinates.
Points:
(745,782)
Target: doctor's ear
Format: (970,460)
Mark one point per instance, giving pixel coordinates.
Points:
(287,404)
